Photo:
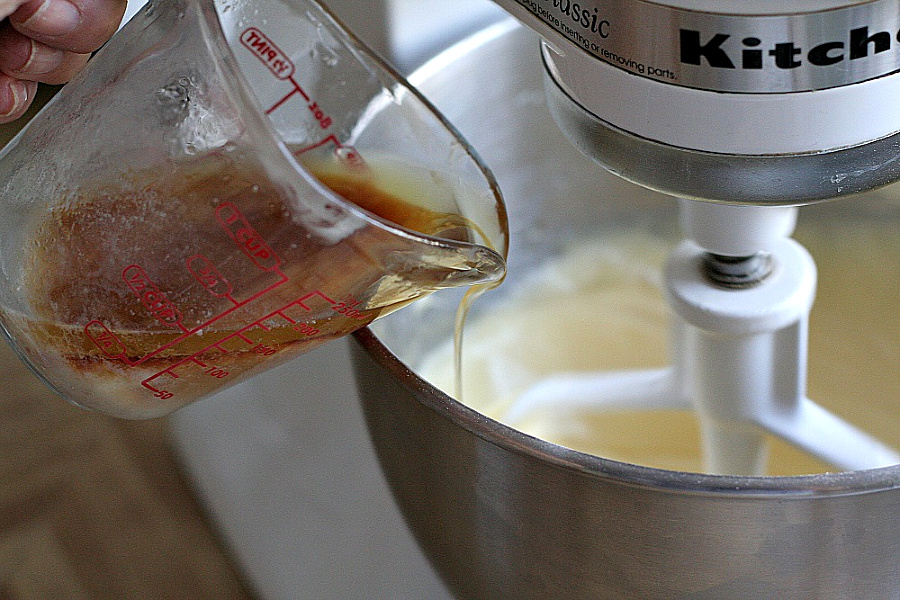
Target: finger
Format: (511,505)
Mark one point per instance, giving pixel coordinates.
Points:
(79,26)
(24,58)
(15,97)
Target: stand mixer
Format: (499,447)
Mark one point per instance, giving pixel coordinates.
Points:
(504,511)
(745,112)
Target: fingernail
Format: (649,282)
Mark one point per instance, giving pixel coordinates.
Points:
(54,17)
(18,96)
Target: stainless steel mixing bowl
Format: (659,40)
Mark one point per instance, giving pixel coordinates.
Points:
(505,515)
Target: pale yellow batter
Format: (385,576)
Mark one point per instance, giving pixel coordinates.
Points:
(599,307)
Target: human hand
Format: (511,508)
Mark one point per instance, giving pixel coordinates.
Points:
(48,41)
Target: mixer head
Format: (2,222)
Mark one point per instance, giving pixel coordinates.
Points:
(732,101)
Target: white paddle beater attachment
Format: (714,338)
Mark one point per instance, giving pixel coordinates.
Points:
(741,290)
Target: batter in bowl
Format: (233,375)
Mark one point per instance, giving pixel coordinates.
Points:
(598,306)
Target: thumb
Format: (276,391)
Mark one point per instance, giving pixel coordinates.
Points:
(79,26)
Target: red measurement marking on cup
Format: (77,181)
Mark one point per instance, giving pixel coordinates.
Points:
(281,66)
(106,340)
(347,154)
(235,311)
(243,340)
(246,237)
(248,240)
(277,61)
(149,294)
(267,52)
(209,277)
(325,121)
(349,308)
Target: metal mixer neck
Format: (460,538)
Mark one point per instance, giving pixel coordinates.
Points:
(738,46)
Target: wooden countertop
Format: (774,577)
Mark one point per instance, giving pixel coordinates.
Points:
(94,507)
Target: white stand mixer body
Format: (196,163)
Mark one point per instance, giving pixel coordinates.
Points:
(698,81)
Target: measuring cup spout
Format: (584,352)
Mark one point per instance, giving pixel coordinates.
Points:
(226,186)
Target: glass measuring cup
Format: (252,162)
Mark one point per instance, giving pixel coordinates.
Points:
(227,185)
